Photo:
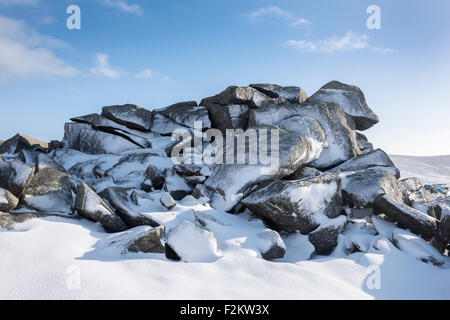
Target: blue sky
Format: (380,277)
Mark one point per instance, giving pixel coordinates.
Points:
(154,53)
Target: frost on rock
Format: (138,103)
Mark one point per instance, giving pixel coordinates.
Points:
(15,176)
(325,238)
(408,242)
(167,201)
(407,217)
(377,158)
(91,206)
(352,101)
(271,245)
(341,139)
(300,205)
(190,243)
(7,200)
(50,189)
(129,115)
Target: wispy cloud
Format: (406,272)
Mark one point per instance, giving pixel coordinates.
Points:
(19,2)
(124,6)
(102,67)
(275,12)
(24,52)
(383,50)
(145,74)
(350,41)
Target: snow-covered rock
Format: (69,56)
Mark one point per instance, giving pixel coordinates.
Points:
(22,142)
(179,115)
(15,176)
(190,243)
(167,201)
(300,205)
(89,205)
(231,182)
(408,242)
(82,137)
(129,115)
(271,245)
(325,237)
(352,101)
(119,200)
(363,143)
(50,189)
(282,94)
(361,188)
(407,217)
(342,143)
(377,158)
(7,200)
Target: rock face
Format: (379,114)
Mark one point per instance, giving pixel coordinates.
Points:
(91,206)
(82,137)
(130,115)
(282,94)
(407,217)
(377,158)
(7,200)
(352,101)
(271,245)
(361,188)
(22,142)
(50,189)
(15,176)
(191,243)
(167,201)
(147,240)
(117,198)
(341,139)
(325,238)
(289,206)
(180,115)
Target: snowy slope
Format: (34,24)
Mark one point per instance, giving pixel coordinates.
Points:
(427,169)
(42,256)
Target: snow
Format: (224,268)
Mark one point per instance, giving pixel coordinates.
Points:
(42,257)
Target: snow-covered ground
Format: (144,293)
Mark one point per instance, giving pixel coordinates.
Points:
(59,258)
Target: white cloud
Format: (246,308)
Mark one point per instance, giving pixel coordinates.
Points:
(19,2)
(383,50)
(145,74)
(351,41)
(124,6)
(103,68)
(24,52)
(275,12)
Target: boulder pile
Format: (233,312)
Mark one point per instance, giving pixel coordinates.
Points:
(115,168)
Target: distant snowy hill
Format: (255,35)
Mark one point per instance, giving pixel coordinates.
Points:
(427,169)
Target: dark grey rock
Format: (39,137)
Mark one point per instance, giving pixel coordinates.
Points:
(407,217)
(304,172)
(118,199)
(50,188)
(15,176)
(91,206)
(282,94)
(377,158)
(364,145)
(361,188)
(129,115)
(180,115)
(156,177)
(297,205)
(352,101)
(8,201)
(149,240)
(325,238)
(341,139)
(271,245)
(20,142)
